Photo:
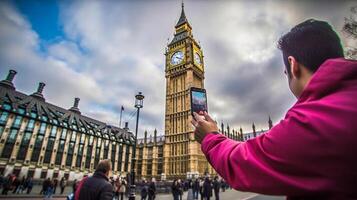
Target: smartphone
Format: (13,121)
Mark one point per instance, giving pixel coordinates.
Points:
(198,100)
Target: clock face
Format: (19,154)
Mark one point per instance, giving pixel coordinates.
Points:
(197,58)
(177,58)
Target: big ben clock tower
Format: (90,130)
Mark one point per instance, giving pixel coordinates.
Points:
(184,69)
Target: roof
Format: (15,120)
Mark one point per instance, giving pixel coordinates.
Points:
(183,18)
(35,106)
(179,37)
(159,139)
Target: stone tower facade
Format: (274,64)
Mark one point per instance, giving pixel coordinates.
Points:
(184,69)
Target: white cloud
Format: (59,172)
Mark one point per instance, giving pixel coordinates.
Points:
(113,49)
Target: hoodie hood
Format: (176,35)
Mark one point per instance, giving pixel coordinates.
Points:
(331,76)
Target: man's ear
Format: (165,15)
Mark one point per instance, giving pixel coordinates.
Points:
(294,67)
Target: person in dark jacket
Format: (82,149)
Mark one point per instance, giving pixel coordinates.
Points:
(7,184)
(63,184)
(207,189)
(144,190)
(29,184)
(180,185)
(46,183)
(175,189)
(152,189)
(196,188)
(216,187)
(97,187)
(55,184)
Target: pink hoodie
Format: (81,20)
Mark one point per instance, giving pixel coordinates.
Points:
(311,153)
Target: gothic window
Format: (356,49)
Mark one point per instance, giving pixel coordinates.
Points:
(21,111)
(33,114)
(44,118)
(80,150)
(6,106)
(120,156)
(126,164)
(38,143)
(149,164)
(11,138)
(17,122)
(50,144)
(97,152)
(112,157)
(89,152)
(106,149)
(3,118)
(71,149)
(160,160)
(26,140)
(30,125)
(42,128)
(60,148)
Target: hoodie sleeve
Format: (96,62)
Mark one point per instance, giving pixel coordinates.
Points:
(275,163)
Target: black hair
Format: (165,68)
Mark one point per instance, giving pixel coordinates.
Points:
(311,43)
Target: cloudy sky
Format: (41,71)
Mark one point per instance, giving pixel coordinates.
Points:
(106,51)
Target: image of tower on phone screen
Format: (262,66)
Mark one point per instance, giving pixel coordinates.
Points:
(199,101)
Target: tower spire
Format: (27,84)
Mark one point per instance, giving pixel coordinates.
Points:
(183,18)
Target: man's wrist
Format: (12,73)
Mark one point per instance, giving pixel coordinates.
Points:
(211,132)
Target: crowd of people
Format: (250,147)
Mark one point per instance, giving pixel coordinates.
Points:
(148,190)
(119,188)
(203,187)
(16,185)
(12,183)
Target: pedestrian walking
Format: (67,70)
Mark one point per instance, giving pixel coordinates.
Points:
(63,183)
(152,189)
(216,187)
(144,190)
(175,189)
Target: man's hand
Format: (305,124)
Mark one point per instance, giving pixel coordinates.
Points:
(204,124)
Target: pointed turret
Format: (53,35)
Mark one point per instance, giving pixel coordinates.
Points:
(145,136)
(155,136)
(241,133)
(270,123)
(254,133)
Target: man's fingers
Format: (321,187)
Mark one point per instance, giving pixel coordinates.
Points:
(208,118)
(195,115)
(194,122)
(198,117)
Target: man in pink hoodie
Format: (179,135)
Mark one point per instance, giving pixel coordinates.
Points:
(311,153)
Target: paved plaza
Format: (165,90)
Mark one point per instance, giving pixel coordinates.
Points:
(227,195)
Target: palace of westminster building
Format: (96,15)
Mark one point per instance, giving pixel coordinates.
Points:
(43,140)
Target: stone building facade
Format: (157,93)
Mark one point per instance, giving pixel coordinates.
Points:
(42,140)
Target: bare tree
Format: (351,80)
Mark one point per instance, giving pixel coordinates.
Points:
(350,28)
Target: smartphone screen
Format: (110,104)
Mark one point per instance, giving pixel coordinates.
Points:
(198,100)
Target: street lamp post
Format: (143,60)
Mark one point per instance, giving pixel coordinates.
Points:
(139,100)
